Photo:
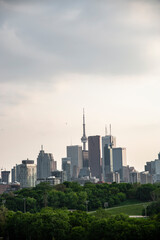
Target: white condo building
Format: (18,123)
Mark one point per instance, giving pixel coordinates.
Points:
(75,155)
(26,174)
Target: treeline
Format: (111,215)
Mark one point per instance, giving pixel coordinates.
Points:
(65,225)
(71,195)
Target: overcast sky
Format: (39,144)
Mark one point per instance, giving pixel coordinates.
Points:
(58,57)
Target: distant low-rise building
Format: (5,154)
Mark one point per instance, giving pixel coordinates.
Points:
(52,180)
(59,175)
(124,174)
(146,177)
(6,188)
(113,177)
(134,177)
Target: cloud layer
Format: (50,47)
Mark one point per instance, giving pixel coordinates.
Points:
(57,57)
(46,38)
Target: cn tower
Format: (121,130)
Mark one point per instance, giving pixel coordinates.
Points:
(84,138)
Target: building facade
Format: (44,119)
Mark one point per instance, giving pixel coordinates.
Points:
(5,176)
(95,161)
(26,174)
(75,154)
(119,158)
(108,161)
(45,164)
(111,142)
(66,167)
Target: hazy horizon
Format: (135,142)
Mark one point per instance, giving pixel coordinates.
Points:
(58,57)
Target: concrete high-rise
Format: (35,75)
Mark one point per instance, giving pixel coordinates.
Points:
(75,154)
(95,162)
(119,158)
(45,164)
(66,167)
(26,173)
(5,176)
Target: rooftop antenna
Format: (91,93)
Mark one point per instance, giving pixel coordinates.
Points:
(41,147)
(111,144)
(106,130)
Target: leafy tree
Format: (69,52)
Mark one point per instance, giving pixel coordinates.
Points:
(78,233)
(144,192)
(153,208)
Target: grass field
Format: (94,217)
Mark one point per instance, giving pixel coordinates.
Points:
(129,207)
(131,210)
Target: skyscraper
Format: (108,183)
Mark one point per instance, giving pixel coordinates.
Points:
(45,164)
(95,156)
(75,154)
(108,160)
(119,158)
(111,142)
(26,173)
(66,167)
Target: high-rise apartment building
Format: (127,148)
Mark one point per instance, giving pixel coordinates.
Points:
(95,162)
(5,176)
(26,173)
(45,164)
(75,154)
(153,168)
(66,167)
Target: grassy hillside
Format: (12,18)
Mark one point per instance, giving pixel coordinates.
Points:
(133,209)
(130,209)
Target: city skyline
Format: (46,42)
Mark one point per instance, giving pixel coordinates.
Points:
(60,57)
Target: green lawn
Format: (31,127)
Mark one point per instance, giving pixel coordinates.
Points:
(132,209)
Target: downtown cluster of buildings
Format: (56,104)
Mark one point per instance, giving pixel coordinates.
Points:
(103,161)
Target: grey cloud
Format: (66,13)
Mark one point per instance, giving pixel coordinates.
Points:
(58,37)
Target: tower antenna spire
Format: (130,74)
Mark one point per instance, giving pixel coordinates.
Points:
(111,144)
(84,138)
(106,132)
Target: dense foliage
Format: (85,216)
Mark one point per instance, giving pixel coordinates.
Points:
(71,195)
(46,215)
(65,225)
